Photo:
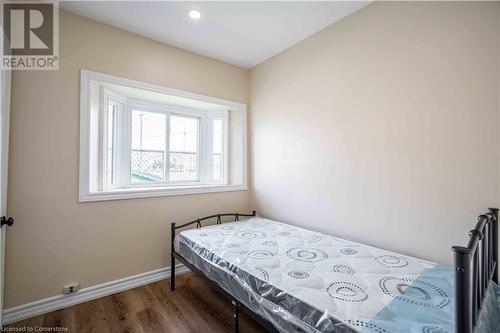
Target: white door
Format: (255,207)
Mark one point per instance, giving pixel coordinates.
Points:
(4,156)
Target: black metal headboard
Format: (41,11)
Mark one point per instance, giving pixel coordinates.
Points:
(218,216)
(174,227)
(475,266)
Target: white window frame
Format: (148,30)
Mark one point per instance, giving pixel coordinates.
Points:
(127,189)
(225,147)
(108,96)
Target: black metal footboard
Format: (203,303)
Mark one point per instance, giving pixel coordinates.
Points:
(475,267)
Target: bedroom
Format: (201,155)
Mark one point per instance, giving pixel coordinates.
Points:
(373,122)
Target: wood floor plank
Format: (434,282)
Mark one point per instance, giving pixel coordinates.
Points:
(90,318)
(220,306)
(198,311)
(60,318)
(119,317)
(152,322)
(183,309)
(192,308)
(30,322)
(165,317)
(176,319)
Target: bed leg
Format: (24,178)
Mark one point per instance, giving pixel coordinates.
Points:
(236,317)
(172,258)
(494,230)
(172,273)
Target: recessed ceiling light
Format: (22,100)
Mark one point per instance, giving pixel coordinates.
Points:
(194,14)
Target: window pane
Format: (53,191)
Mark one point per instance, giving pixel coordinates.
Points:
(183,149)
(148,146)
(110,154)
(217,149)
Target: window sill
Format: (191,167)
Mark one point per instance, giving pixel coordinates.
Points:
(132,193)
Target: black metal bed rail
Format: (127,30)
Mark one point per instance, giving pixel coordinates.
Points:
(475,266)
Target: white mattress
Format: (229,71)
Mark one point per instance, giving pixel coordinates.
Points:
(303,280)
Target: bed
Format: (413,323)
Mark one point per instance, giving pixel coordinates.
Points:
(291,279)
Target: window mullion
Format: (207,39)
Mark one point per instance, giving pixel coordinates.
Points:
(225,148)
(117,110)
(124,147)
(209,147)
(103,142)
(204,150)
(167,148)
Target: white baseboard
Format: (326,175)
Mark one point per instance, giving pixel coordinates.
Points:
(57,302)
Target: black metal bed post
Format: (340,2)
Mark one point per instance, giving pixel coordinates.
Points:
(475,266)
(494,231)
(463,289)
(172,257)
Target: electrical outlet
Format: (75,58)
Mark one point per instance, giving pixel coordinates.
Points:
(71,288)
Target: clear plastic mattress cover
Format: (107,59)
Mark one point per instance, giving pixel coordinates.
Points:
(301,280)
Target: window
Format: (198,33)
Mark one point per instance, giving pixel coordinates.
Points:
(217,148)
(148,155)
(150,145)
(138,142)
(183,149)
(111,117)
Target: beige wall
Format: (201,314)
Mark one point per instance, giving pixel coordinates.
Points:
(58,240)
(383,128)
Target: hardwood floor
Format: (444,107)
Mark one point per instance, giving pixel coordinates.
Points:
(192,307)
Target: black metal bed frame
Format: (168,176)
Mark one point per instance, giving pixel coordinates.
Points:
(475,267)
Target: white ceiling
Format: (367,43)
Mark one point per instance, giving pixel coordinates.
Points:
(240,33)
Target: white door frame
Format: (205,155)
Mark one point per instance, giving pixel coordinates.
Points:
(5,89)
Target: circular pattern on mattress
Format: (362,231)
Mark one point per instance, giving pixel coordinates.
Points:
(346,291)
(343,269)
(307,254)
(416,292)
(349,251)
(269,243)
(391,261)
(249,235)
(312,239)
(263,272)
(227,227)
(284,233)
(260,254)
(299,275)
(372,327)
(433,329)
